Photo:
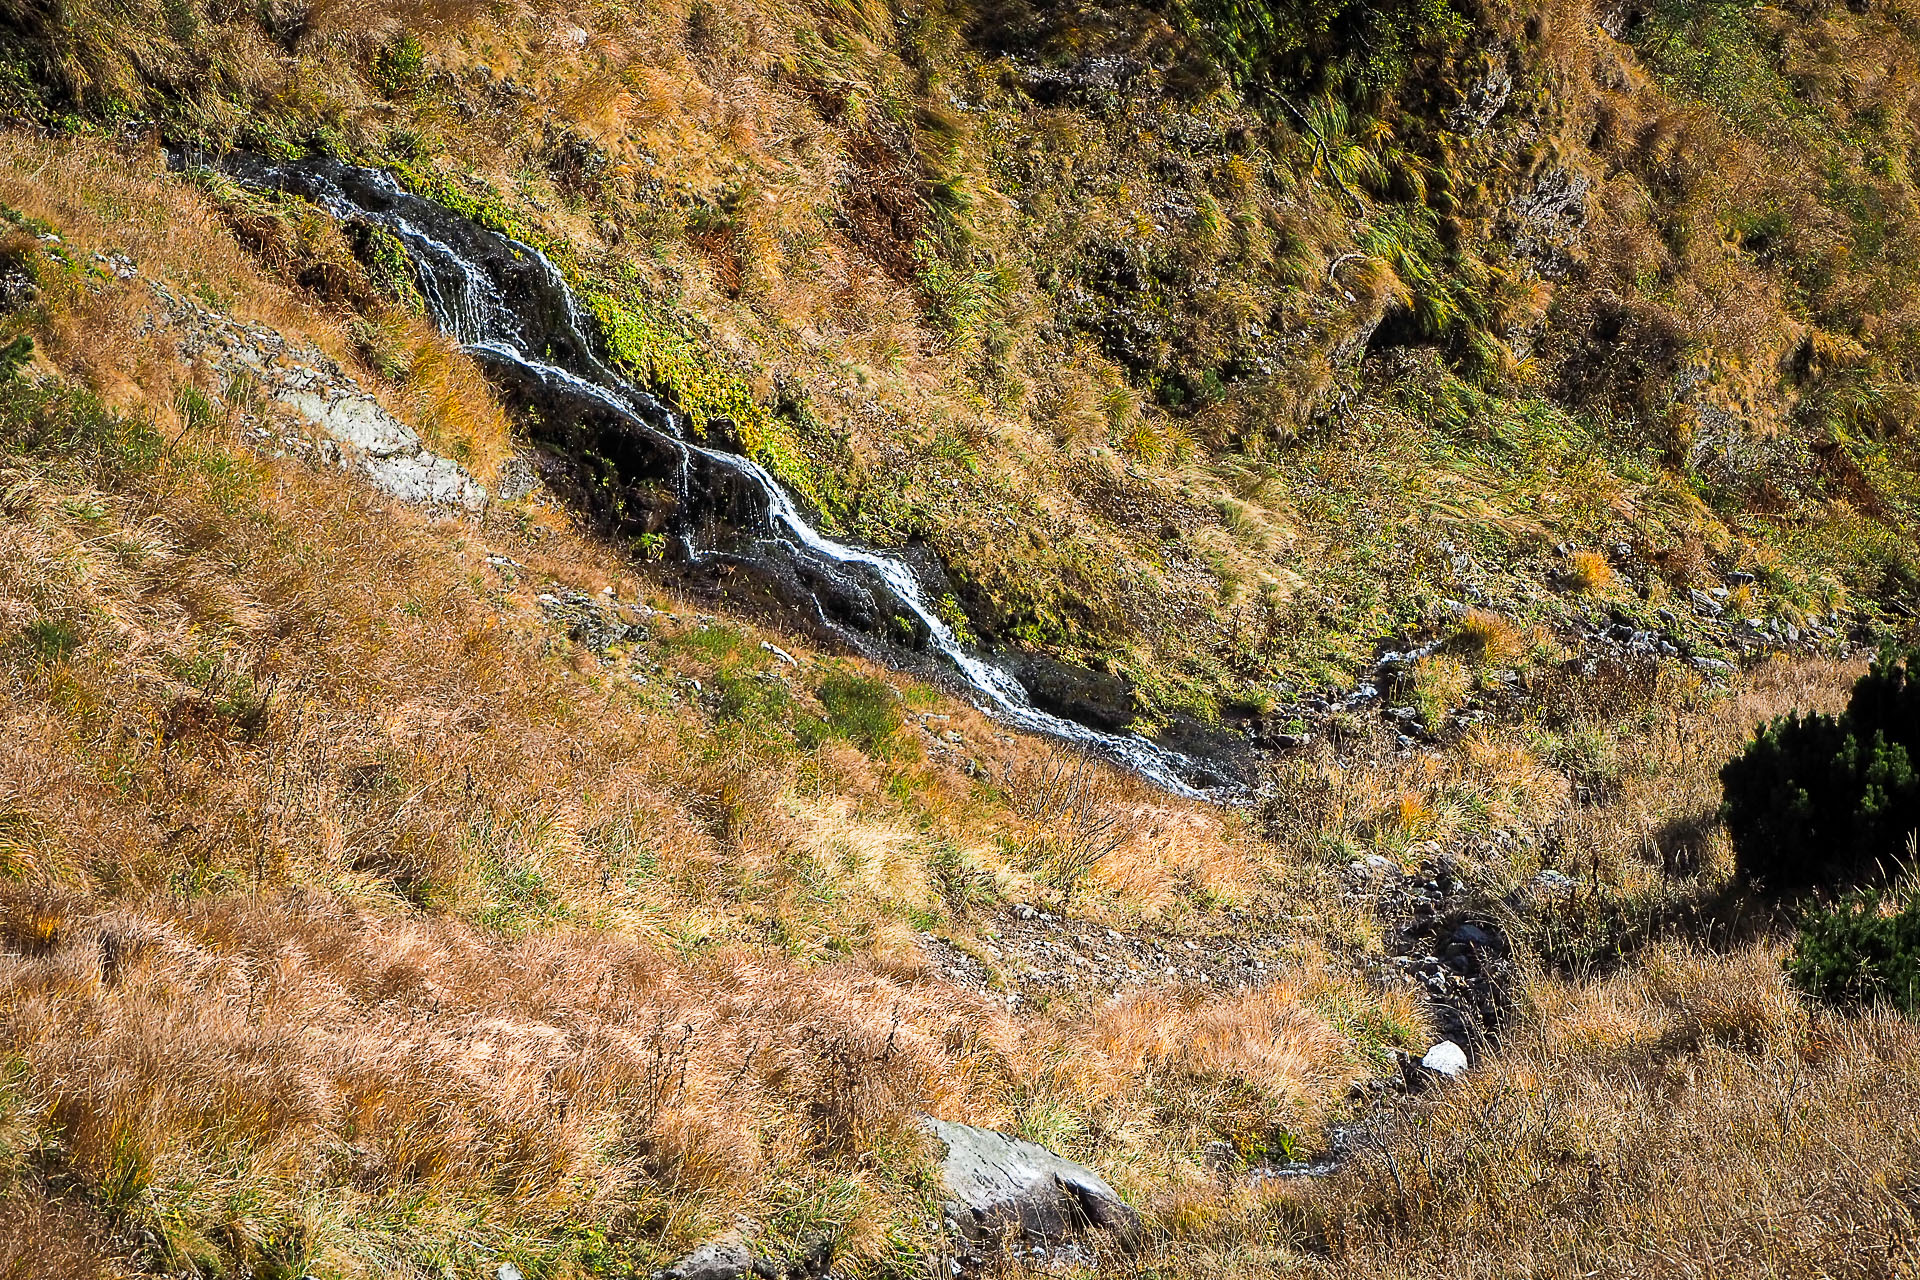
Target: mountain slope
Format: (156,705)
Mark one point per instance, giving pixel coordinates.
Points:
(1478,418)
(1149,280)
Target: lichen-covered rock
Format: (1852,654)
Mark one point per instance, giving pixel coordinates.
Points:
(725,1259)
(358,431)
(1000,1188)
(729,1257)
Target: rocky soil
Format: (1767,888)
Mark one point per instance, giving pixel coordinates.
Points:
(1033,954)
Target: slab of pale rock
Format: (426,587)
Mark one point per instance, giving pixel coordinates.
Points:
(359,431)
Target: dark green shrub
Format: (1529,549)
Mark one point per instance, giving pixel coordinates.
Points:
(1865,947)
(1820,799)
(860,709)
(15,355)
(49,640)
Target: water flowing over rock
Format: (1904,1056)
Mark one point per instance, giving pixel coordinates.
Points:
(628,459)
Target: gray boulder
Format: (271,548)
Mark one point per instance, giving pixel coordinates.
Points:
(998,1188)
(727,1258)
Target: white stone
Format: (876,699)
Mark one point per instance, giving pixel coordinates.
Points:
(359,430)
(1446,1058)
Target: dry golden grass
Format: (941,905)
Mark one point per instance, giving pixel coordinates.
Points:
(294,1031)
(126,202)
(1687,1119)
(1589,572)
(351,912)
(42,1234)
(362,1060)
(340,884)
(1492,639)
(1654,823)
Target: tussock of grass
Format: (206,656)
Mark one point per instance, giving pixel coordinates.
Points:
(922,318)
(1589,572)
(1778,1145)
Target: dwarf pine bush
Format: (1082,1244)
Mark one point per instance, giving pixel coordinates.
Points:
(1863,948)
(1821,799)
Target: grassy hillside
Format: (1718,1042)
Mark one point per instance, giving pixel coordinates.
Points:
(1244,311)
(364,911)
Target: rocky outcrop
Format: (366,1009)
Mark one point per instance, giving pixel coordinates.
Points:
(1004,1198)
(730,1257)
(357,433)
(1003,1190)
(1546,223)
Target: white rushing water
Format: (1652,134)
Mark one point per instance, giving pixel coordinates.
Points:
(466,302)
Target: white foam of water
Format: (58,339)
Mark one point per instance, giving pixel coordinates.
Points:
(465,303)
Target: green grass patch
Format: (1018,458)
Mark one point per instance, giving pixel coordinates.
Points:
(861,709)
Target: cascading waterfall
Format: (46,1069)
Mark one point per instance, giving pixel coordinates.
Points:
(510,307)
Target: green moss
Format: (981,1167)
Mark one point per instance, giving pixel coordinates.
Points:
(477,202)
(653,344)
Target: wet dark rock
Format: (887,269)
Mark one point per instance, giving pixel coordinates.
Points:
(1443,941)
(1106,702)
(1090,697)
(1472,935)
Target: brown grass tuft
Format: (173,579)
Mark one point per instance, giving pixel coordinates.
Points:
(1490,638)
(1588,572)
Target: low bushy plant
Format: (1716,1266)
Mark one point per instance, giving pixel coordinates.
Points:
(401,66)
(1821,799)
(1861,949)
(15,355)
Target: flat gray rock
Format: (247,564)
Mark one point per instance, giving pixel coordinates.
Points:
(725,1259)
(998,1187)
